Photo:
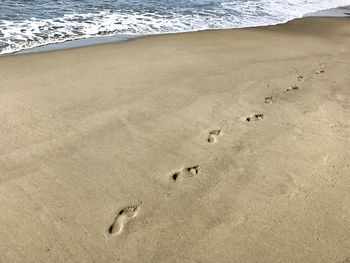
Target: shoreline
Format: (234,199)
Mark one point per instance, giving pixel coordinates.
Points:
(212,146)
(340,11)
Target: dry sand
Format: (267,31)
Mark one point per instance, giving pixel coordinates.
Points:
(217,146)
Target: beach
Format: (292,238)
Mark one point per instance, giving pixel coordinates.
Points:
(211,146)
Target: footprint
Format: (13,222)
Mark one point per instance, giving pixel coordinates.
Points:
(256,117)
(185,173)
(268,100)
(213,135)
(300,78)
(123,217)
(319,72)
(293,88)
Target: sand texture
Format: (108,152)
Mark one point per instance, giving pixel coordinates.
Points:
(215,146)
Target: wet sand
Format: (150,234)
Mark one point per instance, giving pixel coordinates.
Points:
(214,146)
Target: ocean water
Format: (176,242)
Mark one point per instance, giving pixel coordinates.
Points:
(26,24)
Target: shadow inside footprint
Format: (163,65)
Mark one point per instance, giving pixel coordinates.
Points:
(300,78)
(256,117)
(213,135)
(268,100)
(122,218)
(319,72)
(186,173)
(293,88)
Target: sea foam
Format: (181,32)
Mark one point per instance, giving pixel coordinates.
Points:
(24,27)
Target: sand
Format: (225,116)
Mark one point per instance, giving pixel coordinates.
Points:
(214,146)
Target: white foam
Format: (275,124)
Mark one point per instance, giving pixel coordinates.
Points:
(231,14)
